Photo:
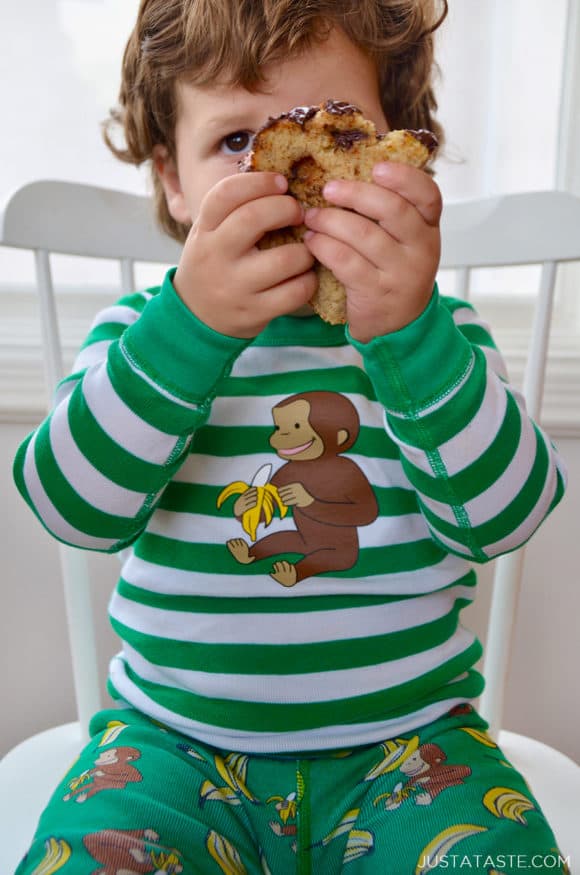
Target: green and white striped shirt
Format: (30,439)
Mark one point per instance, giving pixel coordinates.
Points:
(416,459)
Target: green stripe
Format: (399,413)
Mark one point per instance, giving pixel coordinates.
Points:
(290,659)
(214,440)
(182,497)
(137,300)
(113,461)
(477,334)
(475,478)
(349,379)
(148,403)
(449,418)
(434,686)
(271,605)
(216,559)
(105,331)
(508,520)
(78,512)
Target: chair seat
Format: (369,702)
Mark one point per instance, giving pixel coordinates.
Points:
(554,780)
(30,772)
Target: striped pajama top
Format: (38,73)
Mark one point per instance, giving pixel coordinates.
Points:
(404,460)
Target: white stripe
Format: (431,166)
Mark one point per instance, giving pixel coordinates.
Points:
(117,313)
(479,434)
(312,687)
(220,470)
(49,514)
(92,355)
(293,628)
(175,581)
(467,316)
(202,529)
(321,738)
(257,411)
(256,361)
(499,495)
(120,423)
(495,361)
(471,442)
(86,480)
(524,531)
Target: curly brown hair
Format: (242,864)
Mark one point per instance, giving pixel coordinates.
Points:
(201,41)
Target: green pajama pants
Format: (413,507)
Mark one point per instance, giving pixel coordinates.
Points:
(143,799)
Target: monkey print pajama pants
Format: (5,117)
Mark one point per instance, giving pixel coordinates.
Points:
(141,799)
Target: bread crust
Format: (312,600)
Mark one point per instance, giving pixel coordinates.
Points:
(311,145)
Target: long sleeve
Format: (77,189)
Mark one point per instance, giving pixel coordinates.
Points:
(485,474)
(123,420)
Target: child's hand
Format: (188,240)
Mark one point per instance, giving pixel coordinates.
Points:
(223,278)
(388,268)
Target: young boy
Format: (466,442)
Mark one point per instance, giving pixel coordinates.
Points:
(300,700)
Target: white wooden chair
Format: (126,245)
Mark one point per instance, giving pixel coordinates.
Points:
(57,217)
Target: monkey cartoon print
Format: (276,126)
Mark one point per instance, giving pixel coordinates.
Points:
(330,496)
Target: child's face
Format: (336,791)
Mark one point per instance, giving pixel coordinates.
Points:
(215,123)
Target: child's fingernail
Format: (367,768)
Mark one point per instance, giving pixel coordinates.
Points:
(308,234)
(310,215)
(331,188)
(281,182)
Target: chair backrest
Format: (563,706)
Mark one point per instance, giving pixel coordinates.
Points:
(58,217)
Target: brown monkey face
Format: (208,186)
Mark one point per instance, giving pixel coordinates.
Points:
(107,757)
(414,764)
(294,437)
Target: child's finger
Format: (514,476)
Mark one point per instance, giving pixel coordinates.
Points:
(249,222)
(288,296)
(235,190)
(396,215)
(270,267)
(372,241)
(414,185)
(349,266)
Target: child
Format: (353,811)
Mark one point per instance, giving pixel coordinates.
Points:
(300,700)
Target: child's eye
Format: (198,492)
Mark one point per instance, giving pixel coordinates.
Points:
(234,144)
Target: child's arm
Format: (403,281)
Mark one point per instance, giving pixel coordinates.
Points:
(123,420)
(145,380)
(485,474)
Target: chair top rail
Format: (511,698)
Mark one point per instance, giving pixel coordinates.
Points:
(514,229)
(76,219)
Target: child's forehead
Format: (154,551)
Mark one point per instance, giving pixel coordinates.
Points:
(332,69)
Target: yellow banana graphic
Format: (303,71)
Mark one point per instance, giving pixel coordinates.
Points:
(360,842)
(210,793)
(267,502)
(396,751)
(234,770)
(57,852)
(508,803)
(346,824)
(480,736)
(442,843)
(112,732)
(287,810)
(224,853)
